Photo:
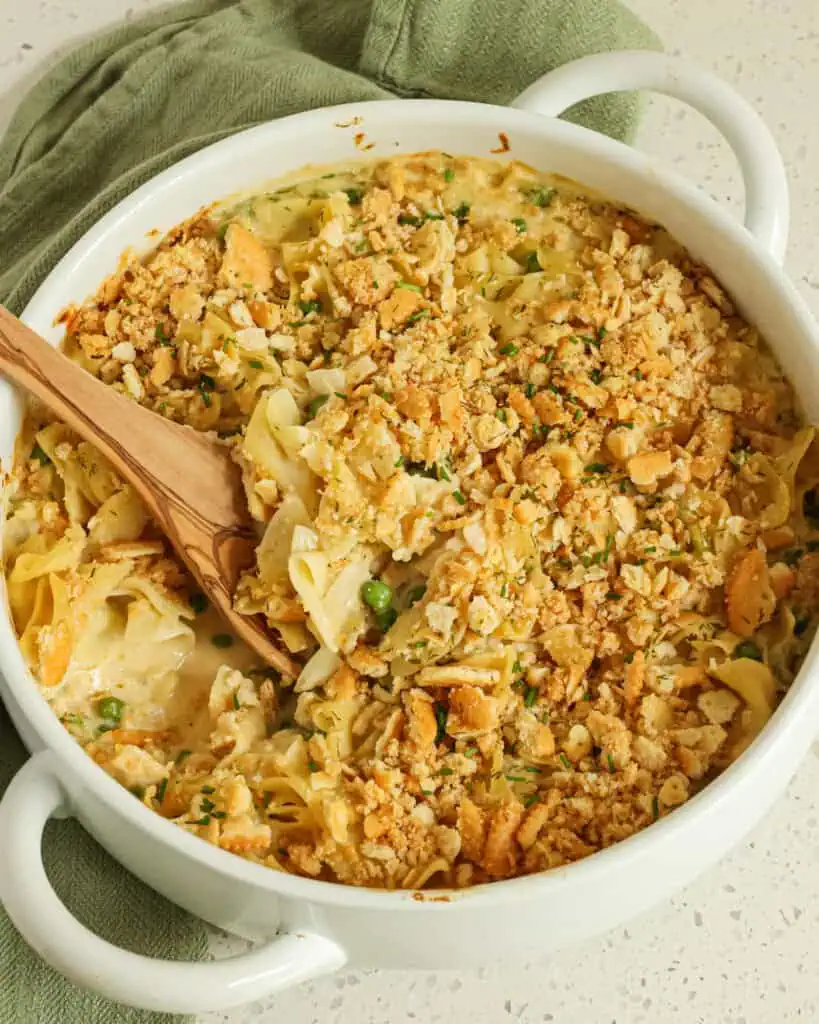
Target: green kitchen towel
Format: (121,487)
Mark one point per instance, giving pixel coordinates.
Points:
(107,899)
(147,93)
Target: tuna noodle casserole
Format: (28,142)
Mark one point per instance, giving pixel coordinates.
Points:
(535,512)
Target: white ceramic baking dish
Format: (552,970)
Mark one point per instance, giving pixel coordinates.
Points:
(306,928)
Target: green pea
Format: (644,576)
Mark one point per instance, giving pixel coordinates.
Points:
(386,619)
(377,595)
(315,404)
(110,708)
(747,649)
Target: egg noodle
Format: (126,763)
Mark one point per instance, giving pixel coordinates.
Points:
(536,513)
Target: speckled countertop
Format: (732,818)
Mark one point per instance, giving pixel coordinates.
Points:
(738,946)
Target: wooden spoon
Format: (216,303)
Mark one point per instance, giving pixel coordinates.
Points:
(191,486)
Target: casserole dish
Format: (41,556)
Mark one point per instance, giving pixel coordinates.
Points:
(307,927)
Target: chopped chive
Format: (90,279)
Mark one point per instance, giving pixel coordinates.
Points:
(566,762)
(655,808)
(449,174)
(354,195)
(409,286)
(160,790)
(459,497)
(446,771)
(597,467)
(180,757)
(509,349)
(461,211)
(257,364)
(441,715)
(198,603)
(520,225)
(312,306)
(531,798)
(418,316)
(530,696)
(222,640)
(610,763)
(207,789)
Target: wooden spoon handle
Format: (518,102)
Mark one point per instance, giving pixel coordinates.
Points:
(190,485)
(136,441)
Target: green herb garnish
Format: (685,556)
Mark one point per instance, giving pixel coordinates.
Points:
(541,196)
(461,211)
(222,640)
(206,385)
(441,715)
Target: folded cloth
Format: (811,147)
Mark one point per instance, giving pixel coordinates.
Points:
(125,105)
(108,900)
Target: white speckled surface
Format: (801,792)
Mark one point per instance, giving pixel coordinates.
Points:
(737,947)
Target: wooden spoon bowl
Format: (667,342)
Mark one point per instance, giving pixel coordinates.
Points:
(189,483)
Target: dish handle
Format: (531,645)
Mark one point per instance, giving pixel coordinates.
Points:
(34,796)
(763,172)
